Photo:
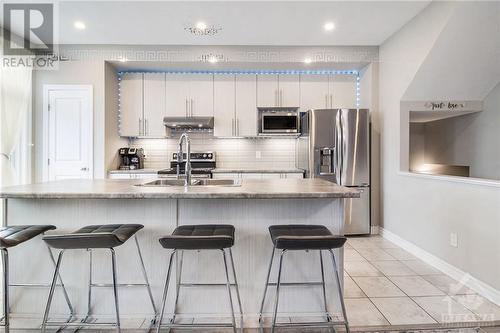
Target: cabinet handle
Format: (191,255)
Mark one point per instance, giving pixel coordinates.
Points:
(281,97)
(276,103)
(146,126)
(140,126)
(192,106)
(187,106)
(331,100)
(232,127)
(326,101)
(237,127)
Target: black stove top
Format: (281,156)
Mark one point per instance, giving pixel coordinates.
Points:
(201,164)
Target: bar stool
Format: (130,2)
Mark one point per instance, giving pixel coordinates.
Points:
(304,237)
(200,237)
(12,236)
(106,236)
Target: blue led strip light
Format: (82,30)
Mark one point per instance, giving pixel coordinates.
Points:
(243,72)
(358,91)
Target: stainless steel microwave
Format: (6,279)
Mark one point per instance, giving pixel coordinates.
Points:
(279,120)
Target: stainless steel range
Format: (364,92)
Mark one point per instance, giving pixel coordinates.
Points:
(202,164)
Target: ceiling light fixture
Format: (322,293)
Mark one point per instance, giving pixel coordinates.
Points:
(329,26)
(202,29)
(79,25)
(307,61)
(213,59)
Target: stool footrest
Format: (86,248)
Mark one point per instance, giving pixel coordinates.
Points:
(76,324)
(312,324)
(110,285)
(200,325)
(33,285)
(188,285)
(288,284)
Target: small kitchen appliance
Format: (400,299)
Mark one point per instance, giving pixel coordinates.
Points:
(202,164)
(131,158)
(335,146)
(278,120)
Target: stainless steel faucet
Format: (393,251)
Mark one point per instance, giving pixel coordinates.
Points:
(180,157)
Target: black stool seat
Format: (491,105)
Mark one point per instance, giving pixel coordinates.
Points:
(200,237)
(15,235)
(304,237)
(94,236)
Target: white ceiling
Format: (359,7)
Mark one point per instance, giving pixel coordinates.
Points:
(242,22)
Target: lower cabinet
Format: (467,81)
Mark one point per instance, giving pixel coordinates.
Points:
(132,175)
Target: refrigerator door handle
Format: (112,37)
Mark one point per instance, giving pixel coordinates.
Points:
(338,148)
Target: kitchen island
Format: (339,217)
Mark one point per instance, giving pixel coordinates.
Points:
(251,207)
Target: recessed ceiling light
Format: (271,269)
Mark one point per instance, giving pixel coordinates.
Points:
(307,60)
(329,26)
(213,59)
(79,25)
(201,25)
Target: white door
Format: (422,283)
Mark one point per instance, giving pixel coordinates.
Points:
(224,94)
(246,105)
(267,90)
(201,89)
(131,105)
(177,95)
(68,133)
(289,90)
(154,104)
(314,93)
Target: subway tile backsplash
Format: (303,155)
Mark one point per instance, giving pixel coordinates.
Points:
(231,153)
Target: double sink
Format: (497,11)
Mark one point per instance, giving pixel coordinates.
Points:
(194,182)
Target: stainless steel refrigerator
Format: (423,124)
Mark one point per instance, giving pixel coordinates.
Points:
(335,145)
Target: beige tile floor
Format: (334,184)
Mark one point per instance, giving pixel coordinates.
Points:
(387,286)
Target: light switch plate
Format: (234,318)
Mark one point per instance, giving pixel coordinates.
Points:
(453,239)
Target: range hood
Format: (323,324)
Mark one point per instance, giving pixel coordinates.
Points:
(189,123)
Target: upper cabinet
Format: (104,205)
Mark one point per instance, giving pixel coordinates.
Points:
(131,105)
(278,90)
(235,105)
(327,91)
(154,104)
(146,98)
(189,95)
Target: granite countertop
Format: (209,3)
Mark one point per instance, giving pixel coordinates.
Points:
(229,170)
(125,189)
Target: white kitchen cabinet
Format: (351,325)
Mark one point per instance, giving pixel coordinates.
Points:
(228,175)
(224,105)
(130,175)
(278,90)
(246,105)
(292,175)
(267,90)
(201,95)
(131,105)
(343,90)
(314,92)
(235,109)
(154,104)
(251,175)
(177,95)
(270,176)
(189,95)
(289,90)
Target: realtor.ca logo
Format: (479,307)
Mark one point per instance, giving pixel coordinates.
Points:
(28,35)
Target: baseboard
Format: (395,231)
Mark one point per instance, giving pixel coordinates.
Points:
(468,280)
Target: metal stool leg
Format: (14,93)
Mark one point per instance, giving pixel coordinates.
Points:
(237,290)
(115,290)
(178,282)
(65,292)
(341,296)
(325,305)
(51,292)
(265,290)
(6,312)
(276,300)
(165,291)
(148,286)
(228,283)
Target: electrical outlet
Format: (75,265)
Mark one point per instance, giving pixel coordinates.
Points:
(453,239)
(258,154)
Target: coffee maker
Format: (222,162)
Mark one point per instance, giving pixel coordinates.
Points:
(131,158)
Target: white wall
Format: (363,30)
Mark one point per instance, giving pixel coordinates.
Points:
(421,210)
